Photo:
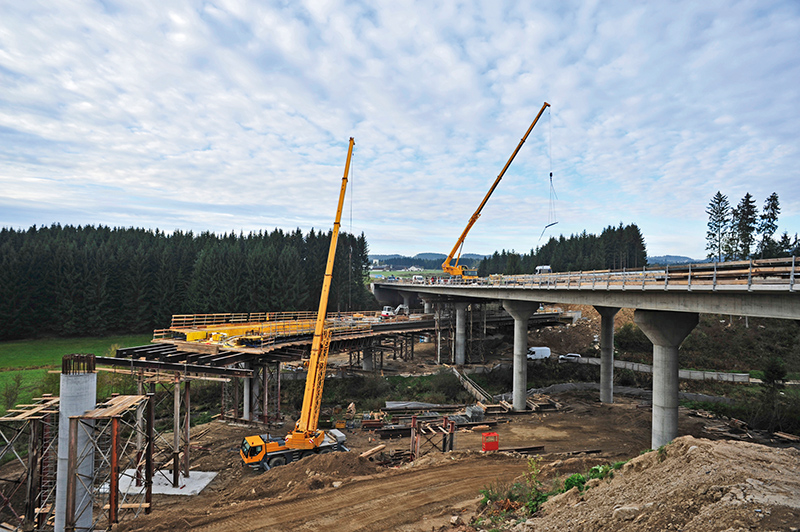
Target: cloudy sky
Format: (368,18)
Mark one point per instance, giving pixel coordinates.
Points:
(233,115)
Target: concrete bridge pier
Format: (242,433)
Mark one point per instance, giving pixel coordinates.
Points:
(666,330)
(367,362)
(427,306)
(461,333)
(521,311)
(246,395)
(607,352)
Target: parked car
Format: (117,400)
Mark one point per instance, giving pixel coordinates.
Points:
(569,357)
(418,279)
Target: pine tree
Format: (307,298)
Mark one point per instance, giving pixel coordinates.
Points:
(743,225)
(719,216)
(767,226)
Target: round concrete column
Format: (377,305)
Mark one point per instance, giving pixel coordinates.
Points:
(428,306)
(607,352)
(367,362)
(461,333)
(521,311)
(77,395)
(666,330)
(247,399)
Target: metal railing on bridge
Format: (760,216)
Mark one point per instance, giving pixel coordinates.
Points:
(258,329)
(757,274)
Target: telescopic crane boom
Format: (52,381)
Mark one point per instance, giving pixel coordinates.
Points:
(456,268)
(305,431)
(264,451)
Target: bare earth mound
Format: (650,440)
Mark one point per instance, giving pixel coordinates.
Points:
(694,484)
(691,485)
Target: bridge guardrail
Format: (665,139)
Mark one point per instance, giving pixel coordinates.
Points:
(761,274)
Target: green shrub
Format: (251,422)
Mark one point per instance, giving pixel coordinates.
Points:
(576,480)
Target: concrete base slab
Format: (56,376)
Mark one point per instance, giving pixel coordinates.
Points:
(162,483)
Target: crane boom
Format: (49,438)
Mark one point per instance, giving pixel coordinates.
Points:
(458,269)
(305,431)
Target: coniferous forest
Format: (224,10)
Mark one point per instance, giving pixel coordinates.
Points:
(91,281)
(616,248)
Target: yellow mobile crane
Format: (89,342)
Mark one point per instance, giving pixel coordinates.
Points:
(456,268)
(265,451)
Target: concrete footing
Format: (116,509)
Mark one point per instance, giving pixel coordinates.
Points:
(666,330)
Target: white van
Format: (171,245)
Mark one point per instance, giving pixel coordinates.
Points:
(538,353)
(418,279)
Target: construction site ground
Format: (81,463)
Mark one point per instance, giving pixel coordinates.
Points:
(440,491)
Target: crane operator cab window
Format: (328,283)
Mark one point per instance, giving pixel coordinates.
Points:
(250,451)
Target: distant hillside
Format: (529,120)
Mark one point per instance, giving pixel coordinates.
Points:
(426,261)
(672,259)
(430,256)
(426,256)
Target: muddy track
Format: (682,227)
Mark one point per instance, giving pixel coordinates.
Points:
(381,503)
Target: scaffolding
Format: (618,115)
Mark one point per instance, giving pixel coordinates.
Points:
(28,497)
(427,437)
(121,482)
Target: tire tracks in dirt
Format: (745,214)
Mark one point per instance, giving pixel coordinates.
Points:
(375,504)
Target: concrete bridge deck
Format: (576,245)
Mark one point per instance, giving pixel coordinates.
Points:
(667,305)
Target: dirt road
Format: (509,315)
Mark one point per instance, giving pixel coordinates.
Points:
(382,502)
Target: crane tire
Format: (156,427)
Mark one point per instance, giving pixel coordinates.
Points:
(276,461)
(326,450)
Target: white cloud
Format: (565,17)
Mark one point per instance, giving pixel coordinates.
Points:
(215,116)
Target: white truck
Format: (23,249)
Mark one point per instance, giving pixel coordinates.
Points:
(538,353)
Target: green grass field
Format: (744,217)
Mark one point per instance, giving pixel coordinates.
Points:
(26,354)
(24,364)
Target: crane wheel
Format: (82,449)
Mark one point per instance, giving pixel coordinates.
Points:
(306,453)
(324,451)
(276,461)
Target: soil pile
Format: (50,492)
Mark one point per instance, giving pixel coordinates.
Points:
(689,485)
(298,478)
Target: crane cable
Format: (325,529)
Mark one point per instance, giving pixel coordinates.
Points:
(552,219)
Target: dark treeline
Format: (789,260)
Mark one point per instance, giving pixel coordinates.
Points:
(72,281)
(615,248)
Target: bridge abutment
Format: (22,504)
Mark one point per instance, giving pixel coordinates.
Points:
(607,352)
(521,311)
(666,330)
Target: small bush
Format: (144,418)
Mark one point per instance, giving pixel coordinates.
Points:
(576,480)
